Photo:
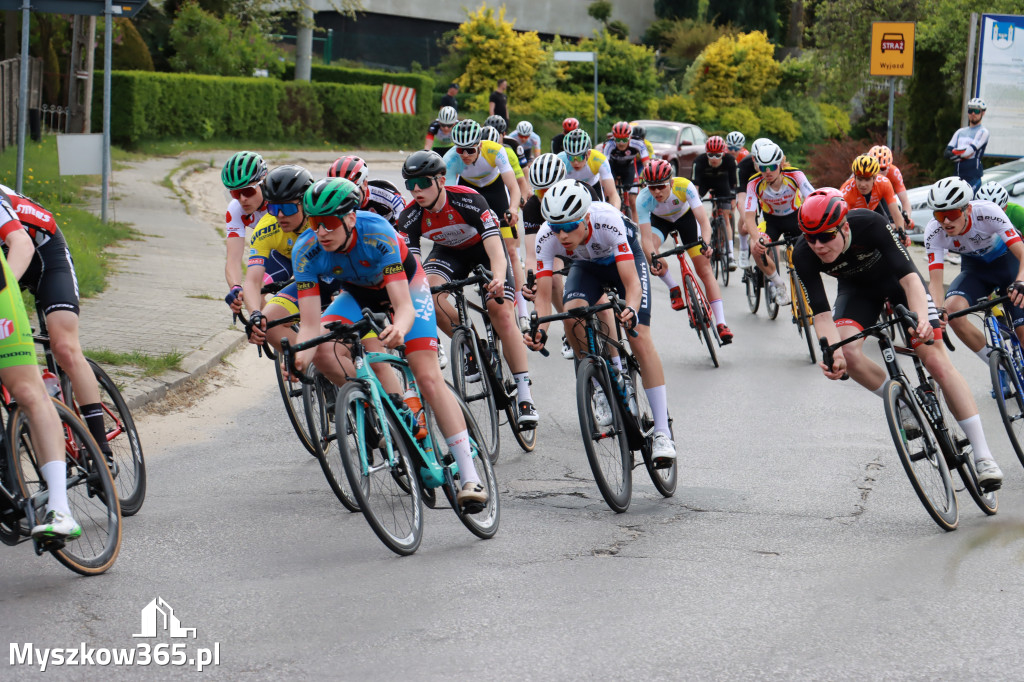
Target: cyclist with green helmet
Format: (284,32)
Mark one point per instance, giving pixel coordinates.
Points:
(375,269)
(241,175)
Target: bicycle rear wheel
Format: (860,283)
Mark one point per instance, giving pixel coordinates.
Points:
(291,393)
(1011,407)
(319,400)
(92,497)
(961,458)
(918,452)
(664,479)
(701,315)
(124,442)
(483,524)
(752,280)
(606,446)
(803,316)
(478,394)
(388,492)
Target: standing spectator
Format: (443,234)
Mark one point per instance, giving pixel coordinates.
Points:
(498,104)
(967,147)
(449,99)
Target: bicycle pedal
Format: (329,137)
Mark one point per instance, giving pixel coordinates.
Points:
(662,463)
(473,507)
(49,545)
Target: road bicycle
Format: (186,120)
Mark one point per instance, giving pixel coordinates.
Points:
(391,472)
(494,387)
(927,439)
(698,309)
(1006,367)
(800,308)
(92,497)
(719,255)
(610,448)
(623,190)
(127,463)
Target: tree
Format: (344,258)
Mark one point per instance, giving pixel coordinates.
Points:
(676,9)
(735,70)
(748,15)
(602,11)
(492,50)
(626,74)
(204,43)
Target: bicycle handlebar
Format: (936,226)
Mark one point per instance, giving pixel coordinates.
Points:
(658,255)
(579,313)
(978,307)
(337,330)
(481,275)
(901,314)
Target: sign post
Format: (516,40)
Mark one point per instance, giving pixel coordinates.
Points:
(892,54)
(561,56)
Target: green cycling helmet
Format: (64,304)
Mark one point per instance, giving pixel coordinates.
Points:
(243,169)
(331,196)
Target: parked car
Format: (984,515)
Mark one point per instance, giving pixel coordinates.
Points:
(1010,175)
(678,143)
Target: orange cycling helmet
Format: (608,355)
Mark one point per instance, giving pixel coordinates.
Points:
(622,130)
(715,145)
(570,124)
(824,209)
(884,156)
(657,172)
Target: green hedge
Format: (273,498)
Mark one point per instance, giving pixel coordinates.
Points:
(423,84)
(152,106)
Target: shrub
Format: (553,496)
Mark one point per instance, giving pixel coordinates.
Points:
(778,124)
(735,70)
(555,103)
(208,44)
(836,121)
(739,118)
(422,83)
(626,75)
(497,51)
(828,163)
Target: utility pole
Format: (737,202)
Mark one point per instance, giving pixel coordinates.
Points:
(83,50)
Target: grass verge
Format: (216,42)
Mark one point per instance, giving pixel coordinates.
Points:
(151,365)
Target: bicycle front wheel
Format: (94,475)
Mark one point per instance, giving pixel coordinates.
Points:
(703,320)
(918,452)
(960,456)
(319,400)
(291,394)
(92,497)
(664,479)
(386,487)
(802,316)
(124,442)
(1009,397)
(483,524)
(606,446)
(752,280)
(477,391)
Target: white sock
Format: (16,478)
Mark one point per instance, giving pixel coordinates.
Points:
(744,242)
(659,407)
(719,311)
(459,445)
(880,391)
(668,279)
(730,247)
(521,309)
(56,476)
(975,434)
(777,280)
(984,353)
(523,386)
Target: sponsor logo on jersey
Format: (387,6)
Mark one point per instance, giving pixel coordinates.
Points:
(931,257)
(623,248)
(540,265)
(27,209)
(6,328)
(305,286)
(393,269)
(227,217)
(365,263)
(337,270)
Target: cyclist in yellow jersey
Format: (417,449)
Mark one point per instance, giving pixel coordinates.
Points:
(589,166)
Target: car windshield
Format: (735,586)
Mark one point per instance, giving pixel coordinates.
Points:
(1004,171)
(661,134)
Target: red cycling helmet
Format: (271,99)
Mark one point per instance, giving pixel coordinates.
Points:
(824,209)
(570,124)
(622,130)
(715,145)
(658,172)
(351,168)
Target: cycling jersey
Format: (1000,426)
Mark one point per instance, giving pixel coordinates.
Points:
(683,198)
(1015,212)
(529,143)
(595,168)
(517,153)
(745,170)
(557,146)
(438,139)
(270,247)
(384,199)
(632,156)
(783,201)
(16,344)
(17,211)
(881,194)
(722,180)
(740,155)
(491,161)
(988,234)
(894,176)
(463,221)
(972,140)
(237,222)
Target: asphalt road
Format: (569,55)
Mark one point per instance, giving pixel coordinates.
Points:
(794,547)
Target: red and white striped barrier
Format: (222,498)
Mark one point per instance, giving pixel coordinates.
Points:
(398,99)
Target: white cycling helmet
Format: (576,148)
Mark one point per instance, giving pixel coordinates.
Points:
(757,143)
(949,194)
(546,170)
(977,103)
(466,133)
(566,201)
(524,129)
(735,140)
(491,133)
(576,142)
(447,116)
(767,153)
(994,192)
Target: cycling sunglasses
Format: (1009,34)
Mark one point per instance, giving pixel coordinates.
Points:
(282,209)
(246,192)
(622,139)
(951,215)
(714,156)
(770,167)
(577,157)
(422,183)
(565,227)
(660,185)
(821,237)
(465,150)
(329,223)
(974,111)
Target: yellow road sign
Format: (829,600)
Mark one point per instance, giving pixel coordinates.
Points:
(892,48)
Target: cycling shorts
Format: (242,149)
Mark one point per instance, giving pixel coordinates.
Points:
(586,280)
(16,345)
(451,264)
(685,225)
(860,305)
(496,195)
(978,279)
(778,225)
(350,301)
(624,175)
(51,278)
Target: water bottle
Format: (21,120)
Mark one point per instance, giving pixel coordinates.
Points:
(52,383)
(419,425)
(630,394)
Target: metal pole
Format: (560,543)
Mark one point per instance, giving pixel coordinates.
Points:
(595,98)
(969,68)
(23,94)
(329,48)
(304,47)
(892,97)
(108,48)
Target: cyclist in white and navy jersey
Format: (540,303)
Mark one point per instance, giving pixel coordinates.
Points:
(529,140)
(439,133)
(627,158)
(967,147)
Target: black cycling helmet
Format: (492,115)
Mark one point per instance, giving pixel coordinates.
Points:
(286,183)
(639,133)
(423,164)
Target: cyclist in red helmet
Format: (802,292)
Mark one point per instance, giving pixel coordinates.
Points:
(627,158)
(715,173)
(872,266)
(568,125)
(379,196)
